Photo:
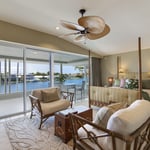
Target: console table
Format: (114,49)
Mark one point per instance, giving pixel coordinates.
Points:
(63,123)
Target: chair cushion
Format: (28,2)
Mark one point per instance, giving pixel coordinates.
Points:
(54,106)
(127,120)
(83,134)
(105,112)
(49,95)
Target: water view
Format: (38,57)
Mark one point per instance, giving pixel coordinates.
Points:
(18,87)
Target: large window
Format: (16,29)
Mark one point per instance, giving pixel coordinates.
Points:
(11,68)
(37,69)
(71,74)
(24,69)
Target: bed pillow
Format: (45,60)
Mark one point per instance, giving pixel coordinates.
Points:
(104,113)
(127,120)
(122,83)
(116,83)
(117,106)
(50,95)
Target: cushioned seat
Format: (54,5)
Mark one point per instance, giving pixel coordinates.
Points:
(97,132)
(54,106)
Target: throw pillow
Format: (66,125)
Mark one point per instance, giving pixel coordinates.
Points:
(116,83)
(102,116)
(50,95)
(122,83)
(127,120)
(104,113)
(117,106)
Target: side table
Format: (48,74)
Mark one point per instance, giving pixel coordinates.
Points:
(63,123)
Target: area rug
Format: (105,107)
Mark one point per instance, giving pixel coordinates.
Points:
(25,135)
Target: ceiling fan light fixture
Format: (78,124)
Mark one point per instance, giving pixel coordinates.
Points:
(88,27)
(94,24)
(97,36)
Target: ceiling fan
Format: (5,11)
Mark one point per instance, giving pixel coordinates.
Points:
(88,27)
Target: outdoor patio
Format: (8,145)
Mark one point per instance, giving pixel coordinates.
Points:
(14,105)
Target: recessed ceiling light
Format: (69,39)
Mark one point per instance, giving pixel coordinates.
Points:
(57,28)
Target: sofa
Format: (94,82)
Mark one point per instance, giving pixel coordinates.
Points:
(100,96)
(47,101)
(114,128)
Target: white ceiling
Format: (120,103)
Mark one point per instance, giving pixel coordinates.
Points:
(128,20)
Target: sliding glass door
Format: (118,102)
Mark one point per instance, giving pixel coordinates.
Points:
(21,71)
(71,74)
(11,85)
(24,69)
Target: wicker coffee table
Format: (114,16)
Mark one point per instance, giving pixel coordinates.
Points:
(63,123)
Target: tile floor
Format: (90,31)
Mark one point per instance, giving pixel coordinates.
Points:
(4,140)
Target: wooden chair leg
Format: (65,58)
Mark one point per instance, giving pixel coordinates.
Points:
(31,113)
(40,124)
(74,148)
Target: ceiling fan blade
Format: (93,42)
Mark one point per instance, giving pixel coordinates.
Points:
(71,25)
(74,33)
(94,24)
(92,36)
(80,38)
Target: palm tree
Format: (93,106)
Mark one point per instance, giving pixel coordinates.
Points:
(81,69)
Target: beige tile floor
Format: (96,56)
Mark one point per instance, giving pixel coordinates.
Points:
(15,105)
(4,140)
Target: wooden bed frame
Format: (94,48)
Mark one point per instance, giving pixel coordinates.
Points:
(97,103)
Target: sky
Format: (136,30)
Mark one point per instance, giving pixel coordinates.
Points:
(45,68)
(33,68)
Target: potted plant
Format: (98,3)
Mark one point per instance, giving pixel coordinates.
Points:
(132,84)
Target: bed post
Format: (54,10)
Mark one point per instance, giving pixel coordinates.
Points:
(89,77)
(140,68)
(118,66)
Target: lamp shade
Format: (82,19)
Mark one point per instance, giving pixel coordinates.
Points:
(110,81)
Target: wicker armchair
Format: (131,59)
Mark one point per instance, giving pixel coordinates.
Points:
(46,102)
(89,136)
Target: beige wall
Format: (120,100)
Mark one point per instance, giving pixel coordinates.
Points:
(128,62)
(14,33)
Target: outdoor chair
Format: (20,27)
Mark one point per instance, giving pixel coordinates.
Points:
(80,88)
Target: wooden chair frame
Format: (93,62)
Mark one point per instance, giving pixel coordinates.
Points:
(140,136)
(37,110)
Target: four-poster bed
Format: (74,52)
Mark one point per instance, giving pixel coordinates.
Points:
(122,128)
(99,96)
